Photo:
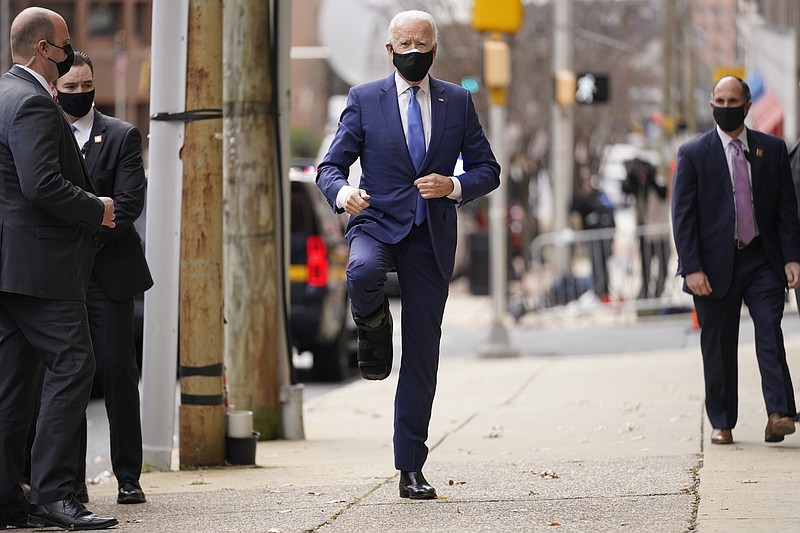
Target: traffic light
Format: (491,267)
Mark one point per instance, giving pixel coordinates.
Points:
(496,64)
(565,88)
(591,88)
(503,16)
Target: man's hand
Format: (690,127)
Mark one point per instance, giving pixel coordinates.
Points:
(108,212)
(356,202)
(792,274)
(697,282)
(434,186)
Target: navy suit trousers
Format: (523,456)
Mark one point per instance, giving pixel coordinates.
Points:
(423,296)
(756,284)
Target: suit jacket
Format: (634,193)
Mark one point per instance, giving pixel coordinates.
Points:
(114,161)
(48,217)
(371,128)
(703,212)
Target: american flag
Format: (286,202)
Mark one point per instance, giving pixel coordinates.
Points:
(120,59)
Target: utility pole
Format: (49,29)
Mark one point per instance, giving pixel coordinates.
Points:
(255,336)
(202,410)
(667,118)
(498,16)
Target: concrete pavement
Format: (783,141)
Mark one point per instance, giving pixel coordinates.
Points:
(600,442)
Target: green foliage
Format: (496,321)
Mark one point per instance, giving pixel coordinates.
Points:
(303,143)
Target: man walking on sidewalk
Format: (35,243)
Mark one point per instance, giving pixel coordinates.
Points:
(408,131)
(738,240)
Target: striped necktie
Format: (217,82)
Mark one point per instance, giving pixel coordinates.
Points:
(745,219)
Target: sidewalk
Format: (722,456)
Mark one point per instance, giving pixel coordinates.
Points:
(615,442)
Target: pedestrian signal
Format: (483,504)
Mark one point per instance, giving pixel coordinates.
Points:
(591,88)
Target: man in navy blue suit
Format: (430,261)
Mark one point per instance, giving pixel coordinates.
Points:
(738,240)
(408,131)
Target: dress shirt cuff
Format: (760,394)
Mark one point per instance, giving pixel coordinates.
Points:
(456,194)
(344,192)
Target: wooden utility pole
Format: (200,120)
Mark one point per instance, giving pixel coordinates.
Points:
(254,335)
(202,410)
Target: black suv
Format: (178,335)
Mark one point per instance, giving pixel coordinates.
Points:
(320,312)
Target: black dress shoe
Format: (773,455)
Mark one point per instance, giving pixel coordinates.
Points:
(68,513)
(414,486)
(130,492)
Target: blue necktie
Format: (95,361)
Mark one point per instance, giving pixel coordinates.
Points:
(416,146)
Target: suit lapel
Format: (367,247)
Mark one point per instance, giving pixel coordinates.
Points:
(438,114)
(756,161)
(96,141)
(719,164)
(391,117)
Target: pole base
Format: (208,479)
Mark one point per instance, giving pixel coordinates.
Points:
(291,399)
(497,345)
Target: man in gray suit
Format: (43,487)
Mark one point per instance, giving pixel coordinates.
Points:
(49,220)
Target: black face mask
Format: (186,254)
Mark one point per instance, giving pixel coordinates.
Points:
(729,118)
(76,104)
(413,66)
(64,66)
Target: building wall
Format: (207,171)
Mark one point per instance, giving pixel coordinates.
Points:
(309,78)
(783,17)
(715,38)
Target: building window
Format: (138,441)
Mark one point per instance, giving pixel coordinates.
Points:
(104,19)
(66,10)
(143,21)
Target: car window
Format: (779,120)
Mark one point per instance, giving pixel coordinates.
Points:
(302,218)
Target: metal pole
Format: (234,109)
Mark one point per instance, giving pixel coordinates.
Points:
(162,236)
(497,344)
(5,35)
(291,394)
(563,145)
(120,76)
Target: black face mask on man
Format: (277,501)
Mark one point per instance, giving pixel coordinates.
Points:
(76,104)
(64,66)
(413,65)
(729,118)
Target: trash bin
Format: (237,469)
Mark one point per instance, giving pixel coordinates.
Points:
(479,264)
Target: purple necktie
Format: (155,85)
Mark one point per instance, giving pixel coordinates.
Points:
(416,146)
(745,220)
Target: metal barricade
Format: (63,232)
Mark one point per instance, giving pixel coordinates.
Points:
(628,266)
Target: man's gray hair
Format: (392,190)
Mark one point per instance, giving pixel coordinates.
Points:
(406,16)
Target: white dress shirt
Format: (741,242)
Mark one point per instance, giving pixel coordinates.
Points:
(82,129)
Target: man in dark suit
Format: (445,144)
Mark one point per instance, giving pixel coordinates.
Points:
(738,240)
(49,220)
(113,152)
(408,131)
